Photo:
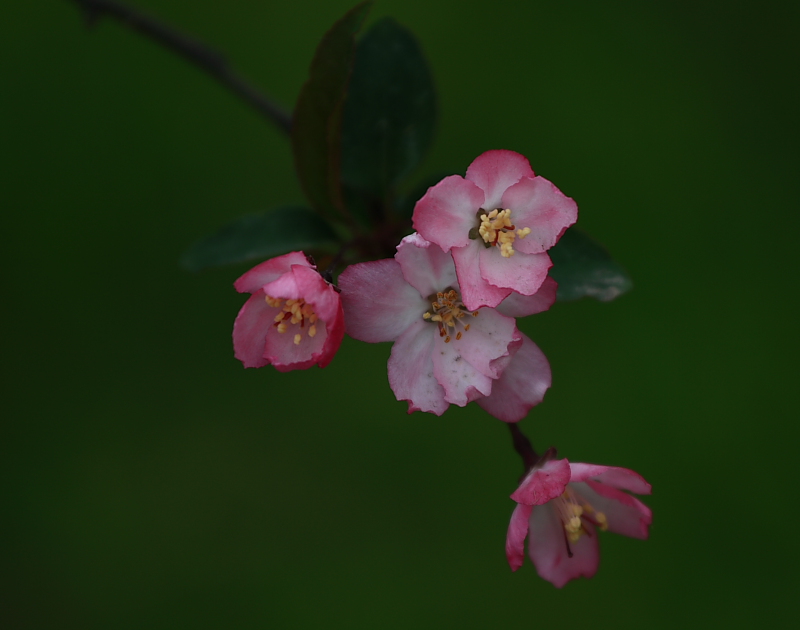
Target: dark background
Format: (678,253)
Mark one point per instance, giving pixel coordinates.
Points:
(150,482)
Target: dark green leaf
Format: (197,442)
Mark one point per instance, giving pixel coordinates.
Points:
(582,267)
(390,111)
(263,235)
(317,120)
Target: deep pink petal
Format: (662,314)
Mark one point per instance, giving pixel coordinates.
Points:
(515,538)
(335,331)
(518,305)
(521,386)
(379,305)
(303,283)
(543,483)
(622,478)
(251,281)
(537,204)
(475,291)
(250,330)
(411,370)
(624,513)
(550,552)
(487,340)
(424,265)
(523,273)
(495,171)
(462,382)
(448,211)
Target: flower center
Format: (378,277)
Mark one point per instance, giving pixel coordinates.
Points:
(495,228)
(294,312)
(572,510)
(447,311)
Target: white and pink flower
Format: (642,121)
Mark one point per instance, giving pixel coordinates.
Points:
(560,507)
(443,353)
(498,221)
(292,320)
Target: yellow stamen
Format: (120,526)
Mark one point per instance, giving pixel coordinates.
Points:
(447,310)
(497,229)
(293,312)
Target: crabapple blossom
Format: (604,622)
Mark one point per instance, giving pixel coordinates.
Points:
(292,320)
(561,505)
(498,221)
(443,353)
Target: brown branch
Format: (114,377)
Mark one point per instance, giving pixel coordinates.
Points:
(205,58)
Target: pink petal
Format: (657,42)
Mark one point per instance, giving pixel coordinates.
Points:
(411,370)
(379,305)
(518,305)
(487,340)
(250,330)
(303,283)
(251,281)
(424,265)
(515,538)
(622,478)
(475,291)
(537,204)
(462,382)
(335,335)
(523,273)
(448,211)
(543,483)
(625,514)
(285,355)
(522,385)
(495,171)
(547,548)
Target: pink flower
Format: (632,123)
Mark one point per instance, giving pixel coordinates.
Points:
(293,318)
(561,505)
(498,221)
(443,353)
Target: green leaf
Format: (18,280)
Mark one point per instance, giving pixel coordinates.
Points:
(582,267)
(263,235)
(390,111)
(317,119)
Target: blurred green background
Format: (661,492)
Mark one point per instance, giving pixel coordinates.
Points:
(151,482)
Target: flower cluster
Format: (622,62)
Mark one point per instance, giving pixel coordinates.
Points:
(448,301)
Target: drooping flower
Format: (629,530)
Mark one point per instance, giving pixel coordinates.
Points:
(292,320)
(443,353)
(561,505)
(499,221)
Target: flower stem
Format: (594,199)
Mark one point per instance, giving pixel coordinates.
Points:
(523,446)
(205,58)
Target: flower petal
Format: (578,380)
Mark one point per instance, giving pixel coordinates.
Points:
(622,478)
(462,382)
(250,330)
(304,283)
(424,265)
(335,335)
(379,305)
(475,291)
(495,171)
(447,212)
(537,204)
(268,271)
(550,552)
(286,355)
(518,305)
(624,513)
(487,340)
(523,273)
(515,538)
(521,386)
(411,370)
(543,483)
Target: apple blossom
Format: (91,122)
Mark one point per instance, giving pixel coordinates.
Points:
(498,221)
(292,320)
(561,505)
(443,353)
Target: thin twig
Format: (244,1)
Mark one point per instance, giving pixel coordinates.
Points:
(205,58)
(523,446)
